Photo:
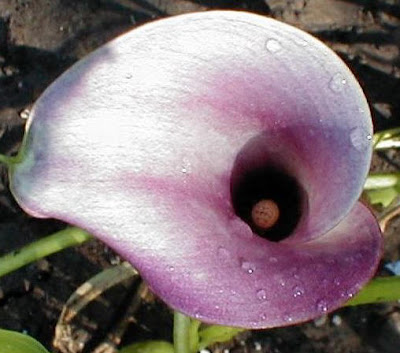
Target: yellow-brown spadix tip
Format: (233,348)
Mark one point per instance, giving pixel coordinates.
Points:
(265,214)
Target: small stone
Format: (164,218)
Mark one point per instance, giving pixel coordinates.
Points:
(321,321)
(336,320)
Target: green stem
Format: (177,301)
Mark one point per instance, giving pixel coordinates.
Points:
(381,289)
(8,161)
(181,333)
(41,248)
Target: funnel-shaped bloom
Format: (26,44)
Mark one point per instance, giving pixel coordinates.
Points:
(161,142)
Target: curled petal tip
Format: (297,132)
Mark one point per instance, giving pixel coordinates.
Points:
(222,153)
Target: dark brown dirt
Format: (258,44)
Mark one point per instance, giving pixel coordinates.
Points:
(39,39)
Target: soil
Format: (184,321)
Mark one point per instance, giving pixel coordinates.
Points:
(39,39)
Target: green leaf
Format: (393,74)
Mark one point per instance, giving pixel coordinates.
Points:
(382,196)
(194,335)
(381,181)
(381,289)
(148,347)
(15,342)
(387,139)
(217,334)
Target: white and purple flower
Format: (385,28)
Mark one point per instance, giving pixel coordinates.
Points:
(162,142)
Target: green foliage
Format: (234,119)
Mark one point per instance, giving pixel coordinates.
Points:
(15,342)
(216,334)
(381,289)
(41,248)
(382,188)
(148,347)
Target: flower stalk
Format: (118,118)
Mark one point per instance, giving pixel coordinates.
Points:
(181,333)
(39,249)
(8,161)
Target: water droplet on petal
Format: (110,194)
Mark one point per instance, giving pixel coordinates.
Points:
(223,253)
(359,139)
(337,82)
(128,76)
(263,317)
(322,306)
(171,268)
(331,261)
(287,318)
(273,45)
(240,228)
(337,281)
(262,294)
(253,324)
(247,266)
(273,259)
(295,273)
(298,291)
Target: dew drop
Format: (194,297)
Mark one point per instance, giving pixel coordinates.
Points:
(128,76)
(287,318)
(186,166)
(240,228)
(263,317)
(359,139)
(301,42)
(298,291)
(223,253)
(273,46)
(337,281)
(295,273)
(262,294)
(197,315)
(282,282)
(171,268)
(331,261)
(337,82)
(248,267)
(273,260)
(322,306)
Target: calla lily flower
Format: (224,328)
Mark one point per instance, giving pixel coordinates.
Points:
(221,153)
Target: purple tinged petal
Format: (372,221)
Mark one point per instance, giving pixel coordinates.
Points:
(142,142)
